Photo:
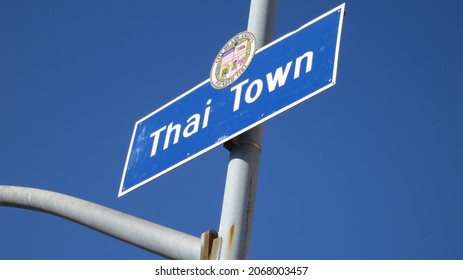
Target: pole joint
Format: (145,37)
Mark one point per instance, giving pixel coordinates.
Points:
(237,141)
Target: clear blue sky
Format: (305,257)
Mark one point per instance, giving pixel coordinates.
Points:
(369,169)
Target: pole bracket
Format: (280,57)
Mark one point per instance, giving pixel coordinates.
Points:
(210,245)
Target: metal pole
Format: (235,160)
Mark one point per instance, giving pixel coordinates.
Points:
(241,184)
(141,233)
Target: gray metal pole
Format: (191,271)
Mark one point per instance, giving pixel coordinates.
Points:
(144,234)
(241,184)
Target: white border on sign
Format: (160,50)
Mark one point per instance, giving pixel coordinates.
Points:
(340,9)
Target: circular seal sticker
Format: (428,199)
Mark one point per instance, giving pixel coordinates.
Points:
(233,59)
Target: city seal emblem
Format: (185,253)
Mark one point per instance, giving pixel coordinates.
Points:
(233,59)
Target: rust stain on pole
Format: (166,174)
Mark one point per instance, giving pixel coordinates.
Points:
(230,240)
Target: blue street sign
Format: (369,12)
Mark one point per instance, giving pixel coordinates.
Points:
(282,74)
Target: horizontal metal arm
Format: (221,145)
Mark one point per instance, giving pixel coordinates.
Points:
(155,238)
